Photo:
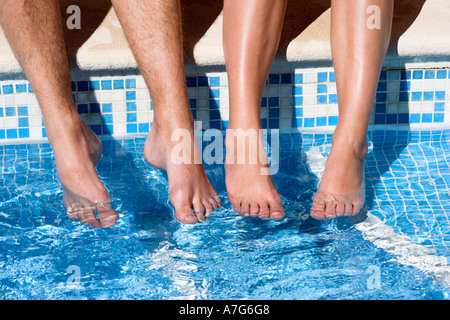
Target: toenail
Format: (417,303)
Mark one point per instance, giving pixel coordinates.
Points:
(277,215)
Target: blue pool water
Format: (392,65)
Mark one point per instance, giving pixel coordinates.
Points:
(396,250)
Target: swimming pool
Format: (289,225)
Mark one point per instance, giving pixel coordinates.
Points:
(398,249)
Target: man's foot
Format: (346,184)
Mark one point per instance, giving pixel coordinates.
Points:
(190,190)
(250,188)
(77,151)
(341,190)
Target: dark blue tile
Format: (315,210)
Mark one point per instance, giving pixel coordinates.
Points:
(191,81)
(274,79)
(273,101)
(94,108)
(82,86)
(83,108)
(286,78)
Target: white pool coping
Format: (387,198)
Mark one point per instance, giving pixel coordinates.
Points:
(428,37)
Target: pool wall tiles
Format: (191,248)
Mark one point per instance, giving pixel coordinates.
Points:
(118,102)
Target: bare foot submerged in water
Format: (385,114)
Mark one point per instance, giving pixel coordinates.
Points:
(341,190)
(190,190)
(77,151)
(250,187)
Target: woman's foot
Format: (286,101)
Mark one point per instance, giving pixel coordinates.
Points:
(250,187)
(341,190)
(190,190)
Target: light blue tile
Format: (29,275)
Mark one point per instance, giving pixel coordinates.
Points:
(21,88)
(119,84)
(322,99)
(297,90)
(10,111)
(322,88)
(417,74)
(131,117)
(297,112)
(427,117)
(321,121)
(11,134)
(333,120)
(8,89)
(298,78)
(333,99)
(214,81)
(429,74)
(322,76)
(24,133)
(130,95)
(439,106)
(214,93)
(297,122)
(22,111)
(439,95)
(23,123)
(106,84)
(130,83)
(107,107)
(144,127)
(107,118)
(439,117)
(132,128)
(94,85)
(131,106)
(416,96)
(309,122)
(428,96)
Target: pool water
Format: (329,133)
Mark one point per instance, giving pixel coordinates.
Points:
(398,249)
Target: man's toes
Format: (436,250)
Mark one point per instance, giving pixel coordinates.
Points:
(254,209)
(185,214)
(264,212)
(90,219)
(208,209)
(199,210)
(108,216)
(245,208)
